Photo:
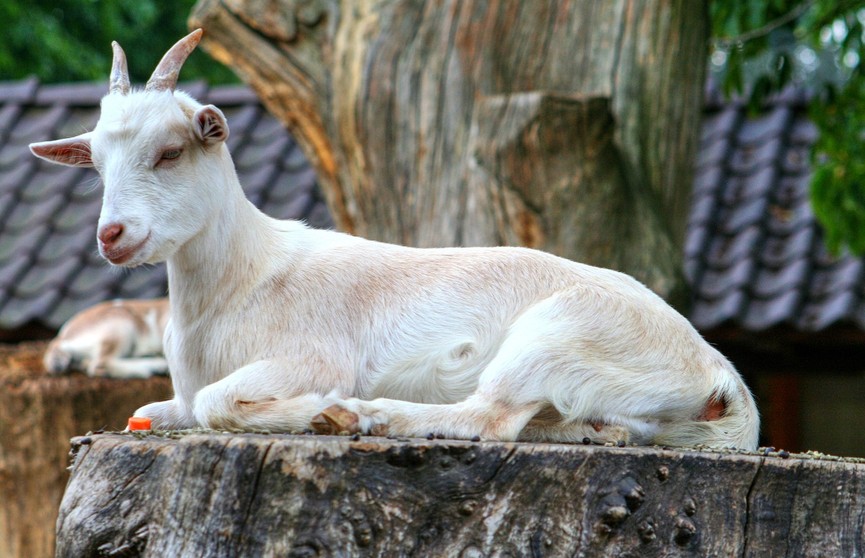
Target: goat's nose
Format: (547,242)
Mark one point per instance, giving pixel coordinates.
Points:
(110,233)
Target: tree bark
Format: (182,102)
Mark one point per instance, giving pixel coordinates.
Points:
(211,494)
(38,415)
(568,126)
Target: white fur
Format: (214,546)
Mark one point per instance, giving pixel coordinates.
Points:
(117,339)
(274,323)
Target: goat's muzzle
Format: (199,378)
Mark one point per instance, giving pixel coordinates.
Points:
(112,244)
(109,234)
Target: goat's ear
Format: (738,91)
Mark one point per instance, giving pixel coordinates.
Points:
(74,152)
(210,125)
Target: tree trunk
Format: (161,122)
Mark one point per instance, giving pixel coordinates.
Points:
(38,415)
(260,495)
(567,126)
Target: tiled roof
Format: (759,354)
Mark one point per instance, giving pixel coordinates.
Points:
(753,255)
(49,266)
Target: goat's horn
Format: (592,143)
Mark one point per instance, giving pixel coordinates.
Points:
(164,77)
(119,71)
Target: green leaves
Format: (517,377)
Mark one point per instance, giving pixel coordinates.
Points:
(71,40)
(838,159)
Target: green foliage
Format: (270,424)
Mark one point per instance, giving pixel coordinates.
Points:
(838,183)
(765,44)
(70,40)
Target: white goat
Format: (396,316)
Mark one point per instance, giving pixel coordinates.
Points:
(277,326)
(117,339)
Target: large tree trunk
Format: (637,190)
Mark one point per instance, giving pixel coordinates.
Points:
(221,495)
(38,415)
(567,126)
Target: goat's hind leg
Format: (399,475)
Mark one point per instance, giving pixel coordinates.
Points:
(499,408)
(140,367)
(574,432)
(479,415)
(509,393)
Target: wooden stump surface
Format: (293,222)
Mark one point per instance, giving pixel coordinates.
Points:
(38,415)
(221,494)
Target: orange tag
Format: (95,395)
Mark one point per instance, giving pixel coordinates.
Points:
(139,423)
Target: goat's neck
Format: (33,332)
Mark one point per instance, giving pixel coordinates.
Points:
(224,260)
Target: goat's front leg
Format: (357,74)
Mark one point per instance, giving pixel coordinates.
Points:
(265,395)
(167,415)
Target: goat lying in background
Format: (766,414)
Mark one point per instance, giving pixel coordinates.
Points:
(277,326)
(117,339)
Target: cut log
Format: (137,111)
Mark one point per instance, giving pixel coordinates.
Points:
(38,415)
(217,494)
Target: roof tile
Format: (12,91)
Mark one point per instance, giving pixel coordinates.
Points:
(39,124)
(40,277)
(796,159)
(721,123)
(736,217)
(79,212)
(766,126)
(319,217)
(72,94)
(69,244)
(13,178)
(9,115)
(803,132)
(26,241)
(739,189)
(779,249)
(11,271)
(771,282)
(695,242)
(762,314)
(232,95)
(710,313)
(38,211)
(844,275)
(718,282)
(749,157)
(144,279)
(91,281)
(725,251)
(784,222)
(23,91)
(817,315)
(12,153)
(20,311)
(713,152)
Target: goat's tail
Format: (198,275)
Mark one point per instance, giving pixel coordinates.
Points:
(729,418)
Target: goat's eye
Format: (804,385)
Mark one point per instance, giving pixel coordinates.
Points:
(170,154)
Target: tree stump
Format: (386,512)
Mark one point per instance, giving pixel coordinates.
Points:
(218,494)
(38,415)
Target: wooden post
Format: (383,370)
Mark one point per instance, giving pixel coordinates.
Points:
(38,415)
(214,494)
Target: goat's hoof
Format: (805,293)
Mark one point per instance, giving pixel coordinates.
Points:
(379,430)
(335,420)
